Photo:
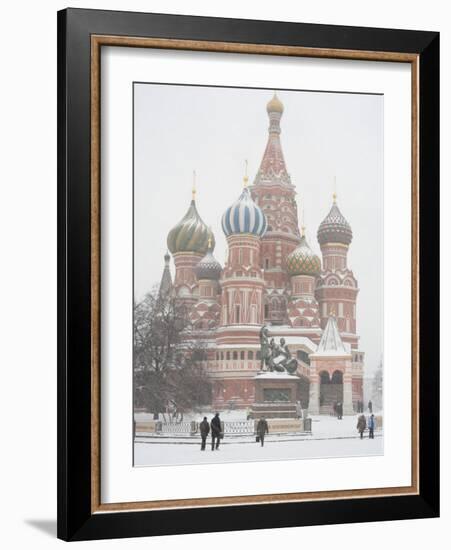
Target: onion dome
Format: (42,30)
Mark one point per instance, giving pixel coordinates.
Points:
(244,216)
(190,234)
(334,228)
(274,105)
(303,261)
(208,267)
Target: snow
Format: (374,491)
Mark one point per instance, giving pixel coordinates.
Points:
(331,342)
(276,375)
(330,438)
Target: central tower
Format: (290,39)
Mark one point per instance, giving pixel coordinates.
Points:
(274,193)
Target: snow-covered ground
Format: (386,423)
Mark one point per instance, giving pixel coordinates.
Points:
(330,438)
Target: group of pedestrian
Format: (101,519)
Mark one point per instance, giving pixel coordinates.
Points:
(362,425)
(216,432)
(360,406)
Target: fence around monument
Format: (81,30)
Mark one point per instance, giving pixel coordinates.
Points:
(238,427)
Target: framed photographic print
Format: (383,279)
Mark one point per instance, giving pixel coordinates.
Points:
(248,274)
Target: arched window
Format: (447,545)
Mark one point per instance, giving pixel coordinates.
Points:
(250,355)
(337,377)
(228,356)
(303,356)
(253,314)
(242,355)
(235,355)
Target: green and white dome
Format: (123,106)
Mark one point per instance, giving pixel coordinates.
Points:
(303,261)
(191,234)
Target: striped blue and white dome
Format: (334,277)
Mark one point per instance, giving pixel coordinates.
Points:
(244,216)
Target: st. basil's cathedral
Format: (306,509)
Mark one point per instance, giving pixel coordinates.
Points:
(271,277)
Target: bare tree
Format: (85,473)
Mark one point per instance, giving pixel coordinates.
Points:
(168,357)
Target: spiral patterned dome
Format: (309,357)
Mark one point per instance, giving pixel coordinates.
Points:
(190,234)
(303,261)
(334,228)
(208,267)
(244,216)
(274,105)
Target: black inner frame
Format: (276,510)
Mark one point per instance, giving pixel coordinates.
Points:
(75,521)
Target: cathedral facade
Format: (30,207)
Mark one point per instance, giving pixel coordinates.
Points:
(271,277)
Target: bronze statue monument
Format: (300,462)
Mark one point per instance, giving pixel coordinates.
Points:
(275,357)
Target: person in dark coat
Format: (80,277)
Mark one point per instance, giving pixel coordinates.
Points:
(361,425)
(370,406)
(371,426)
(204,428)
(215,432)
(340,410)
(262,430)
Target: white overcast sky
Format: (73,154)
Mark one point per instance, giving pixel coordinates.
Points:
(179,129)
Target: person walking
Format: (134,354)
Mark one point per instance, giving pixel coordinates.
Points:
(339,410)
(370,406)
(262,430)
(215,432)
(371,426)
(204,428)
(361,425)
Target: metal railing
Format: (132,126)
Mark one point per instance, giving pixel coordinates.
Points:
(239,427)
(174,428)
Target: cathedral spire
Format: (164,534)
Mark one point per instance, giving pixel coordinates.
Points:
(194,190)
(166,279)
(331,342)
(246,177)
(272,168)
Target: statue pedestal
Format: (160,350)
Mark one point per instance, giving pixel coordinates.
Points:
(276,395)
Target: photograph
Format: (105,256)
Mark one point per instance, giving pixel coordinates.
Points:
(258,269)
(248,273)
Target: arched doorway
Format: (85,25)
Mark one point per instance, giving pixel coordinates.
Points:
(331,391)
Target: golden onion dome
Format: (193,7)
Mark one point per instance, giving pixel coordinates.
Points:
(191,234)
(275,105)
(303,261)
